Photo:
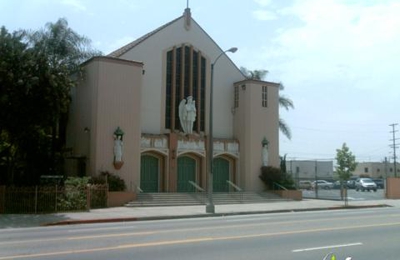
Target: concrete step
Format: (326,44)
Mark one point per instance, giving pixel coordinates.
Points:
(201,198)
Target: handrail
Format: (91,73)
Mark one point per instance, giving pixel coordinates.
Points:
(280,186)
(196,186)
(234,185)
(139,189)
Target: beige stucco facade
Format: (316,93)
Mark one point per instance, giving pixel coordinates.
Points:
(377,169)
(109,96)
(127,89)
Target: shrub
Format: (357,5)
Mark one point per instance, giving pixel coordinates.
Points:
(270,175)
(115,183)
(74,196)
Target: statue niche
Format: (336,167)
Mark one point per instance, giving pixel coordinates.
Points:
(187,114)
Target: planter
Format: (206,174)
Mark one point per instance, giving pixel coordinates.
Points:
(120,198)
(290,194)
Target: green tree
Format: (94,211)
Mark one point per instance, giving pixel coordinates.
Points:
(346,163)
(284,101)
(36,71)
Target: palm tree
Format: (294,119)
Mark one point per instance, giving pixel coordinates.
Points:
(284,101)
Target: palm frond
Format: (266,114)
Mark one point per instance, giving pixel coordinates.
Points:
(285,129)
(285,102)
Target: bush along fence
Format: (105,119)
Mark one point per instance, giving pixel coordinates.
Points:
(50,199)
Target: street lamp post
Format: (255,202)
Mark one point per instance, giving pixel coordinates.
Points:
(210,208)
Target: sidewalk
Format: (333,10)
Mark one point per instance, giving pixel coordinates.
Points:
(120,214)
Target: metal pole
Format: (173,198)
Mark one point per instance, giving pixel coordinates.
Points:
(210,208)
(316,180)
(394,148)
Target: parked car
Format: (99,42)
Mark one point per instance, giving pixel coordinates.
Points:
(305,185)
(365,184)
(351,183)
(322,184)
(379,183)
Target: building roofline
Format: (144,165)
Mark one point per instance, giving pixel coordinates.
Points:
(258,81)
(113,59)
(124,49)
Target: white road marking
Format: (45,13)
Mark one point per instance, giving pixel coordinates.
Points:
(325,247)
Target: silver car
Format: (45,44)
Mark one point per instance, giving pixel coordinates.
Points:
(322,184)
(364,184)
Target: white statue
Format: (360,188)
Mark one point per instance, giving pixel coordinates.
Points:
(265,152)
(118,149)
(187,114)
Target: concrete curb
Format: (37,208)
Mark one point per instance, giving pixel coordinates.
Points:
(131,219)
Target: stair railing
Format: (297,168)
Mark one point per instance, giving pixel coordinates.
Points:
(237,188)
(279,186)
(199,189)
(196,186)
(138,189)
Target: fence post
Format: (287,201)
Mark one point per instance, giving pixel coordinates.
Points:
(36,198)
(55,206)
(88,197)
(2,199)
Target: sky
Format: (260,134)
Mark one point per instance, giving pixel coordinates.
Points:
(338,59)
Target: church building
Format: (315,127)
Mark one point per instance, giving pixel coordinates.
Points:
(143,113)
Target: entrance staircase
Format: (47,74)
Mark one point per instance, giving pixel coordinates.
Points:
(200,198)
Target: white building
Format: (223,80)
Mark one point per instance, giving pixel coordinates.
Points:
(310,169)
(137,89)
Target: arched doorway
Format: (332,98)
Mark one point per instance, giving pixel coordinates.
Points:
(149,173)
(220,175)
(186,173)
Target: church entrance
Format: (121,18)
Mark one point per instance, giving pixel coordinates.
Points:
(149,173)
(186,173)
(220,175)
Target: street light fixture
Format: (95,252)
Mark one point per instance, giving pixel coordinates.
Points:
(210,208)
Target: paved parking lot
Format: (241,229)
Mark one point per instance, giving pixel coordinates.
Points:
(352,194)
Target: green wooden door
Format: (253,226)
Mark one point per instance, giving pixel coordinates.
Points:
(149,173)
(186,173)
(220,175)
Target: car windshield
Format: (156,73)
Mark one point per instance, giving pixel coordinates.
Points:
(368,181)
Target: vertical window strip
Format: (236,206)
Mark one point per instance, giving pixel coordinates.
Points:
(264,96)
(203,94)
(187,89)
(191,92)
(168,90)
(236,101)
(173,98)
(178,89)
(186,75)
(196,88)
(182,77)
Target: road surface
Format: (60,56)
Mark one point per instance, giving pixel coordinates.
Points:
(360,233)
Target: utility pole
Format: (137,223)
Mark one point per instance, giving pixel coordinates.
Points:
(386,174)
(394,146)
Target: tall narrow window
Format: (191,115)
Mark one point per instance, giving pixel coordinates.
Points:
(236,101)
(185,76)
(264,96)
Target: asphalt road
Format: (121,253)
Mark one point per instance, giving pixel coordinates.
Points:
(362,233)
